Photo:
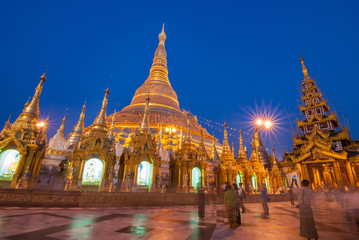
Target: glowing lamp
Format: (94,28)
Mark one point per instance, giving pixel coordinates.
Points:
(40,124)
(267,124)
(173,130)
(259,122)
(167,129)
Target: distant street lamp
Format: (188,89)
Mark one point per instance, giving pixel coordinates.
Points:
(263,124)
(171,130)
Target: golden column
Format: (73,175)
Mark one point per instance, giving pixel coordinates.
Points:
(350,174)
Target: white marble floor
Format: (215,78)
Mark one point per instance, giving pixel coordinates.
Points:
(169,223)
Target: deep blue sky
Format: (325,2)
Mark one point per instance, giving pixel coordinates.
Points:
(223,56)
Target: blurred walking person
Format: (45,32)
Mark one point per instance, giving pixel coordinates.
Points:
(264,200)
(304,195)
(230,201)
(242,196)
(238,199)
(201,199)
(291,195)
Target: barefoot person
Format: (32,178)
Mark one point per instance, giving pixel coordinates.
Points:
(304,194)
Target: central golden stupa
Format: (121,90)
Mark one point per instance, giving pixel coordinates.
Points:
(164,114)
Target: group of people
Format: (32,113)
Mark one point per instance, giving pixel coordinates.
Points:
(234,196)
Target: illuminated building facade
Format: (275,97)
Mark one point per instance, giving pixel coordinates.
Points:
(323,151)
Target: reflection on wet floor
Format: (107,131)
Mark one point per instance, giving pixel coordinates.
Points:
(169,223)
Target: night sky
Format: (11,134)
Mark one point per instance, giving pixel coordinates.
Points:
(224,57)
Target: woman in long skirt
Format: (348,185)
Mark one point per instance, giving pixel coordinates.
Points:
(307,225)
(230,201)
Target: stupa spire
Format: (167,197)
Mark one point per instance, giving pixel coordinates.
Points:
(62,126)
(201,143)
(242,155)
(75,135)
(165,98)
(304,69)
(254,156)
(188,133)
(111,134)
(225,139)
(32,109)
(214,153)
(144,122)
(100,120)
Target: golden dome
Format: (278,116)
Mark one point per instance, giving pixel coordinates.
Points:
(157,86)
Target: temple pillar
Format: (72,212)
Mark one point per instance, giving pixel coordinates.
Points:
(350,174)
(179,177)
(135,175)
(103,185)
(202,178)
(301,175)
(305,172)
(337,172)
(81,170)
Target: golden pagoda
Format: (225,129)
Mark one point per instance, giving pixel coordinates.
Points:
(190,168)
(164,109)
(22,145)
(322,148)
(91,165)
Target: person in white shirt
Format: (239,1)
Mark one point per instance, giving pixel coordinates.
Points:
(304,195)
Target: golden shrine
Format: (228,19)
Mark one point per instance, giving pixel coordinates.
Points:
(323,152)
(151,143)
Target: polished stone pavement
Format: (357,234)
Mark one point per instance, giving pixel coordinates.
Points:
(169,223)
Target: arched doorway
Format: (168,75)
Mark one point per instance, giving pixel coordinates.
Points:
(239,178)
(254,182)
(92,174)
(144,174)
(267,184)
(9,160)
(196,177)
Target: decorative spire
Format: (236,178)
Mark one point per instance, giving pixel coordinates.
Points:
(234,151)
(304,69)
(8,123)
(226,150)
(242,151)
(75,135)
(162,36)
(188,134)
(214,153)
(62,126)
(144,122)
(111,134)
(32,109)
(100,120)
(274,157)
(165,98)
(201,143)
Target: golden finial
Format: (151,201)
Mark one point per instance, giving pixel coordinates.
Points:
(162,37)
(304,69)
(144,123)
(100,120)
